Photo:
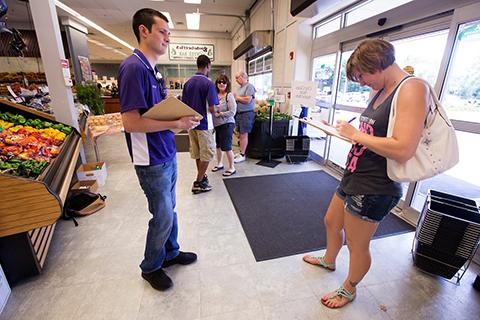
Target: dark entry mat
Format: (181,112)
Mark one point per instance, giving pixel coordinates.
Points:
(282,214)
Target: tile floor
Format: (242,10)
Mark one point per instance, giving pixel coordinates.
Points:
(92,270)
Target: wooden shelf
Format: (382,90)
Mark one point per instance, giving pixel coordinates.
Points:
(27,109)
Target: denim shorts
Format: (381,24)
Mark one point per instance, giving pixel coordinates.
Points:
(369,207)
(223,136)
(244,121)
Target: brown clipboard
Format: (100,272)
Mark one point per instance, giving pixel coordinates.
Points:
(331,131)
(171,109)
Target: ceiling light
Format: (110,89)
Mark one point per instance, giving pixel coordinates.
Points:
(92,24)
(169,18)
(193,21)
(193,1)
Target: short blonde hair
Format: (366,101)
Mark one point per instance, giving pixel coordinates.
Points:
(370,56)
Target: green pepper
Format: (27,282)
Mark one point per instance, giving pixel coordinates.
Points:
(58,126)
(67,130)
(21,119)
(47,124)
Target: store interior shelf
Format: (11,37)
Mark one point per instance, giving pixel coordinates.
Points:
(17,106)
(30,207)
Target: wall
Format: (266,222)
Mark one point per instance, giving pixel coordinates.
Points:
(106,69)
(11,64)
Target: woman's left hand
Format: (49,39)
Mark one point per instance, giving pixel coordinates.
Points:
(345,129)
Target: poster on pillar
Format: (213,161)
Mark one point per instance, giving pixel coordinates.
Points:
(303,93)
(66,72)
(85,68)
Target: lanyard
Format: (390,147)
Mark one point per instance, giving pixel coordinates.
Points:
(156,74)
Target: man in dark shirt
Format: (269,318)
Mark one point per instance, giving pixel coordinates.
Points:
(151,145)
(200,94)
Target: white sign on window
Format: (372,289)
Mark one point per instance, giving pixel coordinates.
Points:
(190,51)
(303,93)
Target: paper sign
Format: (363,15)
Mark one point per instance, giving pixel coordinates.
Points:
(11,91)
(303,93)
(279,98)
(66,72)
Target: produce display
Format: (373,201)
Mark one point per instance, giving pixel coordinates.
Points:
(262,112)
(29,89)
(27,145)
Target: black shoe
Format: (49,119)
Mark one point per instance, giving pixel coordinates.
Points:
(183,258)
(202,186)
(158,280)
(205,179)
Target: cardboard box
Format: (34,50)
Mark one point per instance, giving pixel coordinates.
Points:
(85,185)
(93,171)
(4,290)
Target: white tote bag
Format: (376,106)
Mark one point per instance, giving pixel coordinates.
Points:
(437,150)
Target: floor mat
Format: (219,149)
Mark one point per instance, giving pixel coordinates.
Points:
(282,214)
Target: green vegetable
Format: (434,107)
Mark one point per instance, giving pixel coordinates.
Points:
(66,129)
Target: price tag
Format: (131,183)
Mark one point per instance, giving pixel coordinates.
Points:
(11,92)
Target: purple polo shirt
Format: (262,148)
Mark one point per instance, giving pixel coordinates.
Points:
(139,89)
(198,93)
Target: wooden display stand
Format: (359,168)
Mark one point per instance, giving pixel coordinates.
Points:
(30,208)
(111,104)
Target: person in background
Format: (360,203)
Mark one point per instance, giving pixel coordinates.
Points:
(245,117)
(200,94)
(224,123)
(366,194)
(151,145)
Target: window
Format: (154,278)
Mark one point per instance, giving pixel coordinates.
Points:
(350,93)
(327,27)
(461,95)
(262,83)
(260,75)
(369,9)
(424,53)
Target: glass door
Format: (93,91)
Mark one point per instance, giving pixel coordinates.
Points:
(323,76)
(461,98)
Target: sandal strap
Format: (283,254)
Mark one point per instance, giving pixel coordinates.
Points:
(325,264)
(342,292)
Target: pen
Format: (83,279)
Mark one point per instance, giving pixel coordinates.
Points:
(350,121)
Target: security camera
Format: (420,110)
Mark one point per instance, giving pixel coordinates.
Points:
(381,21)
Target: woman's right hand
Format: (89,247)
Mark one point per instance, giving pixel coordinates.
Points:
(187,123)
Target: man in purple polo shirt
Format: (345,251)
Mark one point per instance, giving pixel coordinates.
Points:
(151,145)
(200,94)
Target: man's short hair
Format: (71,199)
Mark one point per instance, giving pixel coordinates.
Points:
(203,61)
(145,16)
(242,74)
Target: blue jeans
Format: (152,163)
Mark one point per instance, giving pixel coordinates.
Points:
(158,184)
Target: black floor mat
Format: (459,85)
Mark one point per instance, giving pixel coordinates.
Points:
(282,214)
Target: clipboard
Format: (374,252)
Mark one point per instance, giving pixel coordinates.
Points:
(326,128)
(170,109)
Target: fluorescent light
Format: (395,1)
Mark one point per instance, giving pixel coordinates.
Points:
(170,22)
(92,24)
(193,1)
(101,44)
(193,21)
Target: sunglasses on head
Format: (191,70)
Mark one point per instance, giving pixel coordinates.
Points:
(222,81)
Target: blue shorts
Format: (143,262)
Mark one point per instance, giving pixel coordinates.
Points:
(223,136)
(244,121)
(369,207)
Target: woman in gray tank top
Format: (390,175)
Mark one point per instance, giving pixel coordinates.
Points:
(366,194)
